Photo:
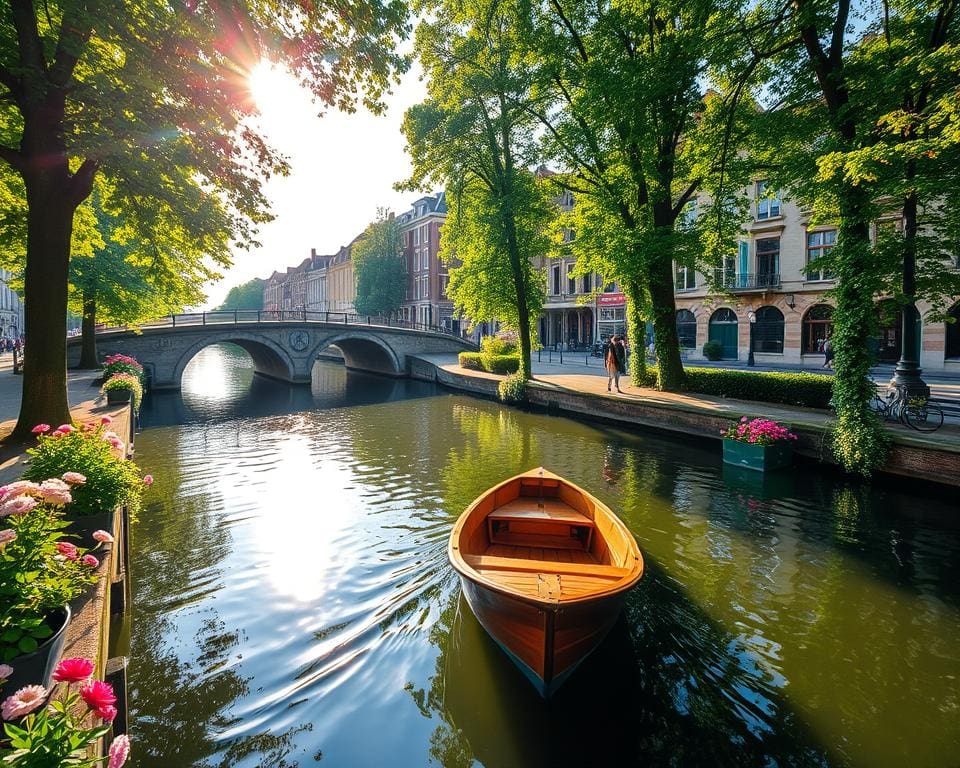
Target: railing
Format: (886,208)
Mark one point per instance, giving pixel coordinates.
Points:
(243,316)
(745,282)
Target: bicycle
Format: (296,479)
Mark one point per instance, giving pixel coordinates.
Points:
(919,413)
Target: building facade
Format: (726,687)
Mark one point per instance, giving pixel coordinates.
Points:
(774,297)
(11,308)
(426,299)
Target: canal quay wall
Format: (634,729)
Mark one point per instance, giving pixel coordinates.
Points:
(934,458)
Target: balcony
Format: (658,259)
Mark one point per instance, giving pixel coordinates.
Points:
(744,283)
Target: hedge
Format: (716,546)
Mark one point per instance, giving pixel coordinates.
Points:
(811,390)
(479,361)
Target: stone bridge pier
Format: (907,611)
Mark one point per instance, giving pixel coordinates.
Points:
(280,350)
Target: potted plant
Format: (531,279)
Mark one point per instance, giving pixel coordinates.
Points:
(712,350)
(61,732)
(114,364)
(759,444)
(40,573)
(123,388)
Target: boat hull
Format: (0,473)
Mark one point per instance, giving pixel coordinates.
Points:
(547,642)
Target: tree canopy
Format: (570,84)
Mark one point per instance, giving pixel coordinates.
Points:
(248,295)
(379,267)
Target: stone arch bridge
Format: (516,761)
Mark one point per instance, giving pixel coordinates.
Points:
(283,345)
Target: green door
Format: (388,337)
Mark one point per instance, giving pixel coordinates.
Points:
(723,329)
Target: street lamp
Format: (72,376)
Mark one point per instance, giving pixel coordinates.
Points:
(753,321)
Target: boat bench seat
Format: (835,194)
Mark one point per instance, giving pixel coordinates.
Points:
(539,522)
(495,563)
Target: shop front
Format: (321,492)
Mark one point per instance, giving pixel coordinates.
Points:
(611,315)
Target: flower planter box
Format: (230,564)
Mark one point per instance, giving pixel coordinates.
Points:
(758,457)
(118,396)
(37,668)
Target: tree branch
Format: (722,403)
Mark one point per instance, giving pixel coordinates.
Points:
(569,26)
(28,37)
(81,183)
(75,31)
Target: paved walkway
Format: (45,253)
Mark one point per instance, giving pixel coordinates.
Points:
(592,379)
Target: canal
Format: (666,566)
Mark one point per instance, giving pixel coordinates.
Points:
(293,604)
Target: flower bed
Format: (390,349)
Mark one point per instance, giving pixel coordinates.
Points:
(124,382)
(759,444)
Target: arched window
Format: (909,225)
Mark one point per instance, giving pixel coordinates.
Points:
(768,330)
(817,327)
(723,329)
(687,329)
(952,348)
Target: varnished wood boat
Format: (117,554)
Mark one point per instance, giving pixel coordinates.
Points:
(545,567)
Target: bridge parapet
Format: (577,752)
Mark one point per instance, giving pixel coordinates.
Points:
(283,345)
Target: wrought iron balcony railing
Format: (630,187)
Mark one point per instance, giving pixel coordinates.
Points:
(745,282)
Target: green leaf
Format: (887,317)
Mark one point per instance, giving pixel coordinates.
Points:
(27,645)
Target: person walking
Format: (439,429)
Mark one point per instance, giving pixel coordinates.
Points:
(827,353)
(614,361)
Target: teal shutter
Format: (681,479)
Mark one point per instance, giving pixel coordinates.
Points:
(743,268)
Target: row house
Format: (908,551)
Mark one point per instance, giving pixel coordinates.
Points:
(320,283)
(774,300)
(426,299)
(11,308)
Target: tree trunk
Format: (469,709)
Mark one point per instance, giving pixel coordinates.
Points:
(670,375)
(88,333)
(49,227)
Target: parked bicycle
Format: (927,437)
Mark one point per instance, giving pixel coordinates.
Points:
(919,413)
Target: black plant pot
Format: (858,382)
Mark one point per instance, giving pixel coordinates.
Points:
(118,396)
(37,668)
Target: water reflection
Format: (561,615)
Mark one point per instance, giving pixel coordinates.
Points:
(293,601)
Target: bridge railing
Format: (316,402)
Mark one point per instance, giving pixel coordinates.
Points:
(243,316)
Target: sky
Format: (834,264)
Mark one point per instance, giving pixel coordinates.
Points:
(343,168)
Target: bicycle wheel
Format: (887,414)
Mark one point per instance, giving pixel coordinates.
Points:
(923,417)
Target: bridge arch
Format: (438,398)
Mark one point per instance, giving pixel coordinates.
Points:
(269,358)
(362,351)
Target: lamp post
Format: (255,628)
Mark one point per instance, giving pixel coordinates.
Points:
(753,321)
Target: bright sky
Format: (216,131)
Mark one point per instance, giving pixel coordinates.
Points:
(343,167)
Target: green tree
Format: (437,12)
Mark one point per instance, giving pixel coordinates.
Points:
(629,118)
(153,97)
(476,135)
(248,295)
(379,267)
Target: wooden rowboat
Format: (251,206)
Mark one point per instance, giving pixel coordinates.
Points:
(545,567)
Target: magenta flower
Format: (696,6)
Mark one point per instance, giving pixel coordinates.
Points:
(68,550)
(74,478)
(66,429)
(40,429)
(148,480)
(6,536)
(106,421)
(73,670)
(90,560)
(98,694)
(108,713)
(5,671)
(103,537)
(23,702)
(119,751)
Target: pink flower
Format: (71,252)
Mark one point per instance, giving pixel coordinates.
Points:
(108,713)
(6,536)
(98,694)
(117,444)
(103,537)
(40,429)
(55,491)
(19,505)
(106,420)
(74,478)
(119,751)
(23,702)
(5,671)
(148,480)
(66,429)
(90,560)
(17,488)
(73,670)
(67,549)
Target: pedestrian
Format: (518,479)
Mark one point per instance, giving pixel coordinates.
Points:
(614,362)
(827,353)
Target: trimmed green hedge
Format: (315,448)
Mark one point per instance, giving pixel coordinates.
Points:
(479,361)
(811,390)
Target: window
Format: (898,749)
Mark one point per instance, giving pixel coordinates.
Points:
(556,279)
(685,277)
(426,234)
(819,244)
(688,218)
(768,262)
(587,283)
(610,288)
(444,282)
(817,328)
(726,276)
(416,236)
(687,329)
(768,204)
(952,348)
(768,330)
(571,281)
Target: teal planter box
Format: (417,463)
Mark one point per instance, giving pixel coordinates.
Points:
(758,457)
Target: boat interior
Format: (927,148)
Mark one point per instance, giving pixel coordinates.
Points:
(541,537)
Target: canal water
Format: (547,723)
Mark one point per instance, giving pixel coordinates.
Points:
(293,604)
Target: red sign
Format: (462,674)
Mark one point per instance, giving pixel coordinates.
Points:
(611,300)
